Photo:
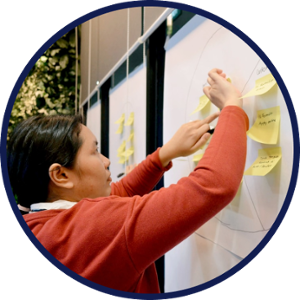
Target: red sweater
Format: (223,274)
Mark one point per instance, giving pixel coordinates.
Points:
(115,240)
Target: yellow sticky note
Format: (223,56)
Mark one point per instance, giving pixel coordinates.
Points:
(120,129)
(262,85)
(128,152)
(122,160)
(130,119)
(203,100)
(265,162)
(131,136)
(197,157)
(121,149)
(121,120)
(266,126)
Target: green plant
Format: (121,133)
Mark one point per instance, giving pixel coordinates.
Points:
(49,88)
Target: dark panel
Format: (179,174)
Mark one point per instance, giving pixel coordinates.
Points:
(84,113)
(181,19)
(120,74)
(104,96)
(94,99)
(136,58)
(154,118)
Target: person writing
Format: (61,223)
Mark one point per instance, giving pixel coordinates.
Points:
(112,233)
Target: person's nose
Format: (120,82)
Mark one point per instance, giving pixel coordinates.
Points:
(106,162)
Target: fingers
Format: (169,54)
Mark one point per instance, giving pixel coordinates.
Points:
(215,75)
(206,91)
(212,117)
(201,142)
(210,81)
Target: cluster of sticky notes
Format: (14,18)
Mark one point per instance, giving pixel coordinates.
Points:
(262,86)
(266,126)
(267,159)
(125,152)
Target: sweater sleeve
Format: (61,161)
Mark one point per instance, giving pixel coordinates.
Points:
(142,179)
(162,219)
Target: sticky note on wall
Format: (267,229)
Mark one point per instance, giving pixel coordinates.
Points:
(129,152)
(266,126)
(121,149)
(262,86)
(130,119)
(121,120)
(197,157)
(203,100)
(120,129)
(123,159)
(267,159)
(130,136)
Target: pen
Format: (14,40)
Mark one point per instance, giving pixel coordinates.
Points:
(211,130)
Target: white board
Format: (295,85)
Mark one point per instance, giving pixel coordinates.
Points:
(93,120)
(127,97)
(190,54)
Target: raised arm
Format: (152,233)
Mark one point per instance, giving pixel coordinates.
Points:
(142,179)
(162,219)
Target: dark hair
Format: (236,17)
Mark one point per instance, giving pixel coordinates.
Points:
(33,147)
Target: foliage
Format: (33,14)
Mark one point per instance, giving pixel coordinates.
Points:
(49,88)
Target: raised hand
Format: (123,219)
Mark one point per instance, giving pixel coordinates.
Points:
(221,92)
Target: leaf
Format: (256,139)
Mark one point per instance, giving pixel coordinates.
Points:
(39,94)
(49,103)
(64,60)
(54,52)
(52,112)
(43,58)
(72,40)
(53,60)
(62,43)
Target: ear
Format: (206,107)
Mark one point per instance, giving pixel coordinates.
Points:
(60,176)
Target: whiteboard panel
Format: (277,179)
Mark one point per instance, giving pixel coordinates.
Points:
(127,97)
(190,54)
(93,121)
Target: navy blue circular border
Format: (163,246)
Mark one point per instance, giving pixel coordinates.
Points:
(284,91)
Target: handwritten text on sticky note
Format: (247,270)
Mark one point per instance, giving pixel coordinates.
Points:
(266,126)
(267,159)
(262,85)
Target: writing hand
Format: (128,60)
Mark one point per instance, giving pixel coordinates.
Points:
(187,140)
